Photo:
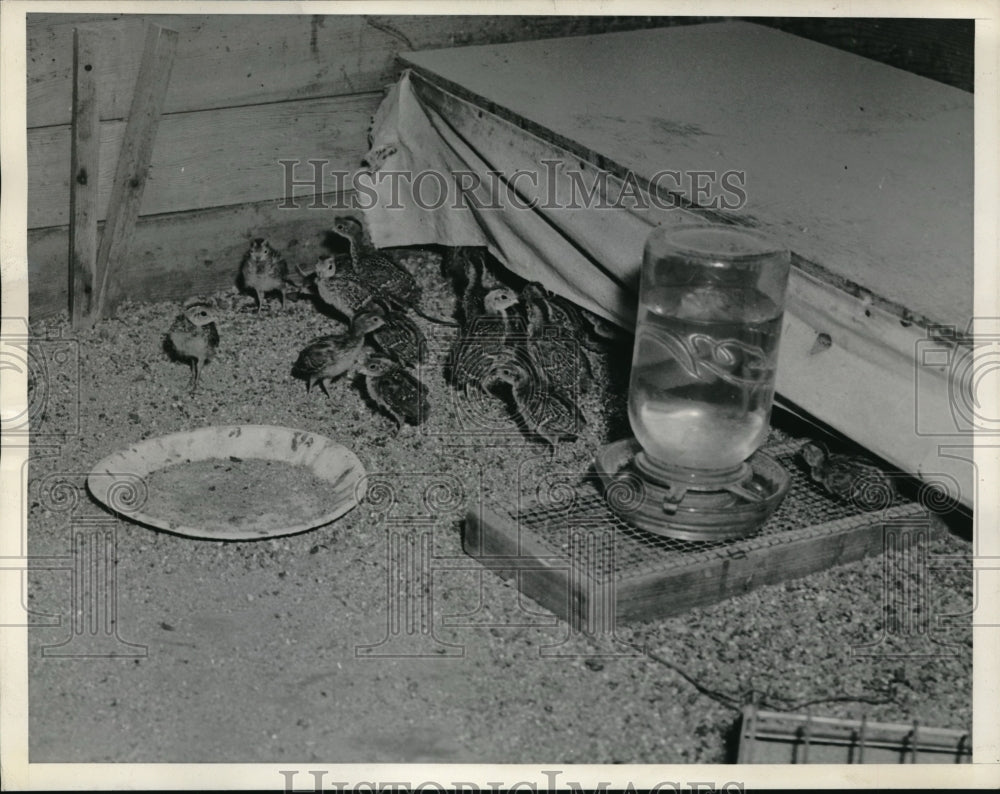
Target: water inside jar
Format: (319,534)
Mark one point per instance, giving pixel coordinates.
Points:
(703,373)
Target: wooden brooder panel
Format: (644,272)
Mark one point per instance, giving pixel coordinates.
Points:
(829,143)
(582,562)
(833,149)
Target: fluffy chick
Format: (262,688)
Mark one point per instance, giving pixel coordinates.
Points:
(193,337)
(543,409)
(394,390)
(485,339)
(342,292)
(556,335)
(376,271)
(466,267)
(850,478)
(328,357)
(496,317)
(603,332)
(400,338)
(264,270)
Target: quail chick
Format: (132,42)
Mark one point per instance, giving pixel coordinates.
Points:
(496,317)
(555,331)
(326,267)
(849,478)
(328,357)
(193,337)
(533,303)
(602,332)
(595,332)
(342,292)
(377,271)
(545,308)
(544,410)
(485,339)
(549,310)
(603,328)
(566,365)
(264,270)
(400,338)
(389,281)
(467,267)
(394,390)
(453,262)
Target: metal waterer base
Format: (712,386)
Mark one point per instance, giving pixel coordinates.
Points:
(584,563)
(699,515)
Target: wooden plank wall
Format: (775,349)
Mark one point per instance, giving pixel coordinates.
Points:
(245,92)
(248,91)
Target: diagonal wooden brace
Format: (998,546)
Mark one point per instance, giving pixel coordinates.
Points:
(133,161)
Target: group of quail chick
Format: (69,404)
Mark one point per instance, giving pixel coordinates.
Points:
(524,345)
(193,337)
(371,294)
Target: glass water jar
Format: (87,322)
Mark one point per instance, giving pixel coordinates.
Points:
(710,311)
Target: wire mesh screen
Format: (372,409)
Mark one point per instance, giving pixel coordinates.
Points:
(581,511)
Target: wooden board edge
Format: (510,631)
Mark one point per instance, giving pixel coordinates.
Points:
(496,542)
(493,541)
(819,548)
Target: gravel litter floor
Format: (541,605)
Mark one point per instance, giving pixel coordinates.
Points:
(252,648)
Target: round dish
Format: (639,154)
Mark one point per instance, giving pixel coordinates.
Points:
(241,483)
